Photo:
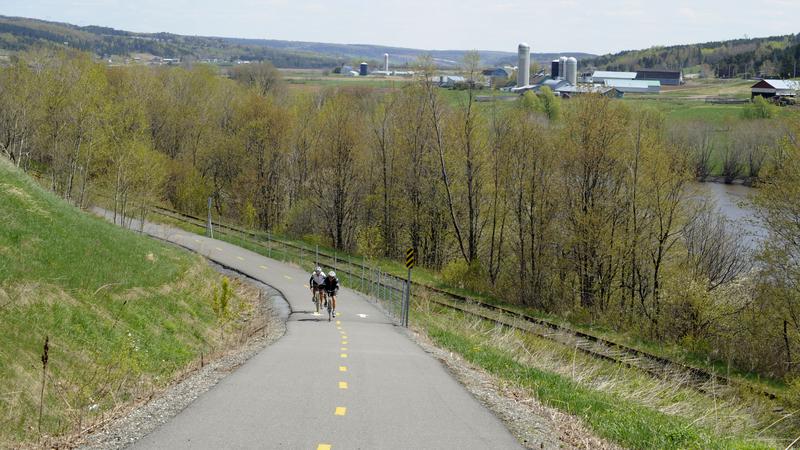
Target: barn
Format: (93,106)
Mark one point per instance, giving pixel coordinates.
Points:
(775,88)
(665,77)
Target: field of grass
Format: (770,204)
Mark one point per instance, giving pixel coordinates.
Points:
(123,314)
(622,405)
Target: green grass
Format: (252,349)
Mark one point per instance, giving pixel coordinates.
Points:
(623,421)
(124,314)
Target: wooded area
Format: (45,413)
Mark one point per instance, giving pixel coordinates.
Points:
(583,208)
(775,57)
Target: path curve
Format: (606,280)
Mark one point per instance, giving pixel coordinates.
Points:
(356,383)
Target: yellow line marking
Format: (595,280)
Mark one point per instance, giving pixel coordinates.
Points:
(197,240)
(344,342)
(338,322)
(344,349)
(343,385)
(324,447)
(343,355)
(218,249)
(305,286)
(340,411)
(287,277)
(338,328)
(263,267)
(342,368)
(240,258)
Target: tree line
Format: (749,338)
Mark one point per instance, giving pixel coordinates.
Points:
(585,208)
(768,57)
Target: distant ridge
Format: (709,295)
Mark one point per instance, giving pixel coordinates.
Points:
(20,34)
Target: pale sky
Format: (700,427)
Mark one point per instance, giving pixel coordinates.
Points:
(594,26)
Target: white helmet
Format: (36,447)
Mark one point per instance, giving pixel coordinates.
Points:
(332,274)
(318,270)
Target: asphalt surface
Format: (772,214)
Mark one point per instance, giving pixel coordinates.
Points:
(357,382)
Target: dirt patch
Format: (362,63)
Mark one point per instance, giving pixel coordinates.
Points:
(535,425)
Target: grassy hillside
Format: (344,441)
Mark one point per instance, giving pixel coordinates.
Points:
(124,314)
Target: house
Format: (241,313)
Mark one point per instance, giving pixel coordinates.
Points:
(665,77)
(775,88)
(498,72)
(600,76)
(635,86)
(449,81)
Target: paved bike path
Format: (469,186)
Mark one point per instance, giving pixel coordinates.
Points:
(355,383)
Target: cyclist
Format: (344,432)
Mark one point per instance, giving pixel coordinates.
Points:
(332,288)
(317,285)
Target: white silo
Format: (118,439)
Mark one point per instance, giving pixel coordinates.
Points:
(386,62)
(572,71)
(562,68)
(523,65)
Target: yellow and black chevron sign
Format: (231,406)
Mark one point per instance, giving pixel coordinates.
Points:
(411,258)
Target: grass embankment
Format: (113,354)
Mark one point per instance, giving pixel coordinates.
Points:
(124,314)
(622,405)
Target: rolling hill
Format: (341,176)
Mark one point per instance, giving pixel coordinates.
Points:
(775,56)
(20,34)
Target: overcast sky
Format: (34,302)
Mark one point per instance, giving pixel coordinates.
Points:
(595,26)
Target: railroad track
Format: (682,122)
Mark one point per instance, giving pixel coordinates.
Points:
(703,380)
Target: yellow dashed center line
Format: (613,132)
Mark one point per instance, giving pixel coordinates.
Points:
(344,349)
(338,322)
(324,447)
(240,258)
(287,277)
(263,267)
(343,385)
(342,368)
(340,411)
(343,355)
(344,342)
(197,240)
(218,249)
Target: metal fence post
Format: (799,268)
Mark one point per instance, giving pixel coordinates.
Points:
(269,244)
(362,274)
(209,228)
(316,257)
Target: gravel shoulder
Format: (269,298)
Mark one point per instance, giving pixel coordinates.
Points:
(138,420)
(535,425)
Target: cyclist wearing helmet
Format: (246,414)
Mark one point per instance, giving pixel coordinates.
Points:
(317,283)
(332,288)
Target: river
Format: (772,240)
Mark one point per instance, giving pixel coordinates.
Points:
(732,200)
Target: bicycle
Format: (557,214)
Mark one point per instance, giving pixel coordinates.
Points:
(329,306)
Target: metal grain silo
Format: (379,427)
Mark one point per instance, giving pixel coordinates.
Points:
(523,65)
(562,67)
(572,71)
(363,69)
(386,62)
(554,69)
